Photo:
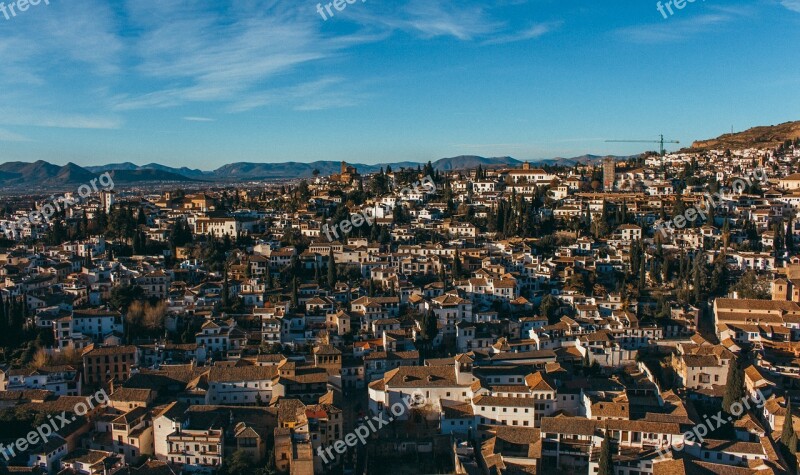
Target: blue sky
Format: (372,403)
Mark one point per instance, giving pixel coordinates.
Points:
(204,83)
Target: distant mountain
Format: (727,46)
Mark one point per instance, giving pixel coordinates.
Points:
(769,136)
(146,175)
(469,161)
(263,171)
(113,166)
(41,173)
(128,166)
(187,172)
(582,160)
(291,170)
(71,173)
(465,162)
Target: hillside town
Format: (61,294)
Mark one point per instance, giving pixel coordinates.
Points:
(620,316)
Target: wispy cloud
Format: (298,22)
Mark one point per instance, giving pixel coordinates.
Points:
(434,18)
(793,5)
(203,55)
(199,119)
(430,19)
(679,29)
(323,93)
(42,118)
(533,32)
(100,61)
(8,136)
(53,79)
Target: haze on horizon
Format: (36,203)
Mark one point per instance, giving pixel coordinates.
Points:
(200,84)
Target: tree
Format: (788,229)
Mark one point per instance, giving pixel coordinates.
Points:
(787,431)
(606,462)
(458,270)
(240,462)
(331,269)
(751,287)
(134,318)
(429,327)
(154,316)
(3,322)
(141,218)
(700,279)
(123,296)
(719,278)
(226,290)
(548,307)
(734,387)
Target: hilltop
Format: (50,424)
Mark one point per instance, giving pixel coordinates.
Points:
(762,137)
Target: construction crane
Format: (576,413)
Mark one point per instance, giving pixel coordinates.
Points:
(660,142)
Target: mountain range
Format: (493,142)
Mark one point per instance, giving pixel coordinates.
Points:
(41,174)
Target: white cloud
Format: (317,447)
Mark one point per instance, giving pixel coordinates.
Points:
(199,119)
(8,136)
(199,55)
(323,93)
(681,28)
(533,32)
(55,62)
(793,5)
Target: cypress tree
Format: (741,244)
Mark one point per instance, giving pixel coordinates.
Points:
(295,300)
(788,426)
(331,269)
(606,463)
(225,290)
(457,267)
(734,387)
(3,322)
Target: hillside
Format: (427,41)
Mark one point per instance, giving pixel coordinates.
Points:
(758,137)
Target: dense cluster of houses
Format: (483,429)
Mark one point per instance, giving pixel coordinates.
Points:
(522,368)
